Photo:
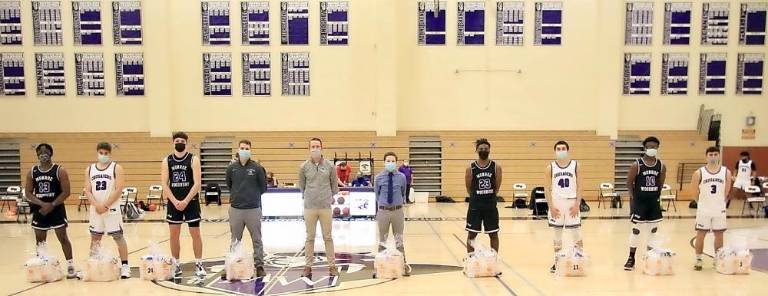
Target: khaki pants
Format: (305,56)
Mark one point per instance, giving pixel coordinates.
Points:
(311,217)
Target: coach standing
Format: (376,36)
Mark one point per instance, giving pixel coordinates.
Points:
(247,181)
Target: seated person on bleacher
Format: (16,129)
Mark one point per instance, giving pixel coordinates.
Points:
(361,180)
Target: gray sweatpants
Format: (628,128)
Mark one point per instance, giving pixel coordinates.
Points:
(239,219)
(396,219)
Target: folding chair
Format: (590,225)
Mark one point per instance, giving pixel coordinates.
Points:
(669,195)
(83,201)
(607,191)
(518,193)
(22,207)
(155,193)
(12,193)
(754,199)
(126,197)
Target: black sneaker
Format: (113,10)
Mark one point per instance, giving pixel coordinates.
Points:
(552,269)
(177,271)
(630,265)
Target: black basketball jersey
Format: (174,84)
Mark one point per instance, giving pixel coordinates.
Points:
(47,185)
(483,183)
(180,175)
(647,183)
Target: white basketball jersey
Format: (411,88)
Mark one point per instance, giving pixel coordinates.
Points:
(103,183)
(564,180)
(745,170)
(712,191)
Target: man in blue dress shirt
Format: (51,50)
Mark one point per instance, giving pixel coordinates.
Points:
(390,186)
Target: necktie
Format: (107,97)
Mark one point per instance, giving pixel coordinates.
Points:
(390,189)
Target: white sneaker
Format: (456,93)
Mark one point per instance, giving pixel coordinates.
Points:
(125,271)
(200,270)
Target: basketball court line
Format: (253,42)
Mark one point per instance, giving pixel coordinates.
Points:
(27,289)
(498,278)
(527,282)
(434,231)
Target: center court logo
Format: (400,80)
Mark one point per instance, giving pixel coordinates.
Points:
(284,275)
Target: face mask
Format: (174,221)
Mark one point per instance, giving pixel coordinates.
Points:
(713,160)
(316,153)
(744,160)
(651,152)
(561,154)
(103,158)
(483,154)
(244,154)
(390,166)
(179,147)
(44,157)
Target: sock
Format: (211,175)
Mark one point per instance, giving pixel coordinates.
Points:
(632,252)
(125,262)
(698,256)
(70,262)
(198,262)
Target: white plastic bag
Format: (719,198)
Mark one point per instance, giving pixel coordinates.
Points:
(734,259)
(571,261)
(483,262)
(390,262)
(43,268)
(156,266)
(238,263)
(658,260)
(102,266)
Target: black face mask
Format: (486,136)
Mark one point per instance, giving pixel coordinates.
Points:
(744,160)
(179,147)
(483,154)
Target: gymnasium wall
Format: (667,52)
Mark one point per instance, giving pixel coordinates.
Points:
(384,82)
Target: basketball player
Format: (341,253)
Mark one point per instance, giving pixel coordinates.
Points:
(483,180)
(644,180)
(104,181)
(711,184)
(47,188)
(563,190)
(181,177)
(746,171)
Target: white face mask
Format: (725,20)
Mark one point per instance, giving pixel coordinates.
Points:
(316,153)
(651,152)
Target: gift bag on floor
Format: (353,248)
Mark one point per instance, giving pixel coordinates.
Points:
(390,262)
(734,259)
(571,261)
(658,260)
(238,263)
(483,262)
(42,267)
(156,266)
(102,266)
